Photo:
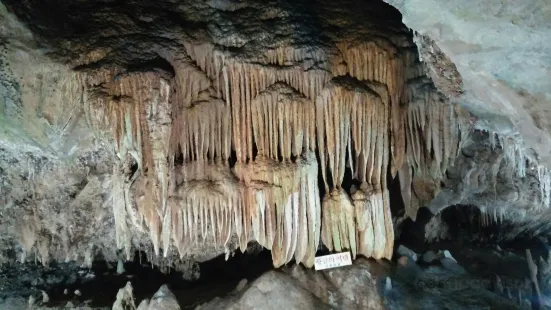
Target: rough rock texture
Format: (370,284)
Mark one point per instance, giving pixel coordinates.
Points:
(501,51)
(473,278)
(486,177)
(188,129)
(52,174)
(162,300)
(125,299)
(273,290)
(214,122)
(368,285)
(494,59)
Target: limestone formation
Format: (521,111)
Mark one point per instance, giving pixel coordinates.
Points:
(198,128)
(218,141)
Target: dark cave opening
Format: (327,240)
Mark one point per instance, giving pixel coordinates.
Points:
(481,247)
(412,233)
(98,286)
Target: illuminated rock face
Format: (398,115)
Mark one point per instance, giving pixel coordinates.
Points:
(221,123)
(352,111)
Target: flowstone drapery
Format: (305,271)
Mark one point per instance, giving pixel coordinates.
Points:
(355,110)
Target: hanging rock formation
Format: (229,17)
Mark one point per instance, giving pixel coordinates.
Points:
(222,123)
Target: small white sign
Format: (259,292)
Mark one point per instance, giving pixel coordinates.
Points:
(333,261)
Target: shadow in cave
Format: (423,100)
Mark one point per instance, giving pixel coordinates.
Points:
(99,285)
(466,232)
(467,224)
(412,233)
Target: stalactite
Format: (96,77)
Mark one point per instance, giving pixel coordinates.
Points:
(202,132)
(358,115)
(348,112)
(433,131)
(434,135)
(148,200)
(206,206)
(283,119)
(333,117)
(245,81)
(283,207)
(338,229)
(290,55)
(356,108)
(159,122)
(210,61)
(136,107)
(380,62)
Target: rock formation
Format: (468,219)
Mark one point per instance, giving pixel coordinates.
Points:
(189,129)
(224,141)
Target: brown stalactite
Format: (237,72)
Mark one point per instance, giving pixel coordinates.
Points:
(434,137)
(360,111)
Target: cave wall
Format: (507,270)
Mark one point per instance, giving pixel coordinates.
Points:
(500,50)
